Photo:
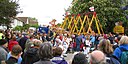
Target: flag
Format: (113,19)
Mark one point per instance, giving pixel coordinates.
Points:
(91,8)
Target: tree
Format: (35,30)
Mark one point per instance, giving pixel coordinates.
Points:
(35,26)
(19,28)
(8,10)
(26,26)
(108,11)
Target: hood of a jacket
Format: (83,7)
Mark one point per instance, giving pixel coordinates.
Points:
(124,46)
(31,52)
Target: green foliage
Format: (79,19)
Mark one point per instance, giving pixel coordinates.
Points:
(108,11)
(19,28)
(35,26)
(26,26)
(8,10)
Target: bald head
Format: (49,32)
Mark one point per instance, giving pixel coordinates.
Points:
(97,57)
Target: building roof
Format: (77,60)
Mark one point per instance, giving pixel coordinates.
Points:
(23,19)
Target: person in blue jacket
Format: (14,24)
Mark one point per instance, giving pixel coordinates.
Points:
(123,45)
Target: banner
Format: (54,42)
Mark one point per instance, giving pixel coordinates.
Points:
(118,29)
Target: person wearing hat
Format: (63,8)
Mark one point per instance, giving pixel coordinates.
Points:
(3,50)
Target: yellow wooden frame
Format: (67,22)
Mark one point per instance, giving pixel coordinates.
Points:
(75,25)
(82,30)
(70,22)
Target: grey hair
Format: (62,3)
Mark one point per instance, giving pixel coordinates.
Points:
(45,51)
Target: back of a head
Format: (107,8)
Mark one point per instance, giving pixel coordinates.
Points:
(97,57)
(57,51)
(45,51)
(37,43)
(79,58)
(14,37)
(105,46)
(2,42)
(16,50)
(123,40)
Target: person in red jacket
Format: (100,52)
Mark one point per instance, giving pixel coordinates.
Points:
(12,42)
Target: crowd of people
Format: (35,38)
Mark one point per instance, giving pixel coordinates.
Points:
(51,47)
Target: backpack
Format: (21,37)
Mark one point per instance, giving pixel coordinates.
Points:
(124,56)
(112,60)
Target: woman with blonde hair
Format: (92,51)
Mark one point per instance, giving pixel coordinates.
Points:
(106,47)
(123,46)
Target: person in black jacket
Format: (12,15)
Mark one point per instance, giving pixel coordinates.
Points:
(31,55)
(22,41)
(44,37)
(45,54)
(15,54)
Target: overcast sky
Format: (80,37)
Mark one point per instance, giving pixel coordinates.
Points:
(44,10)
